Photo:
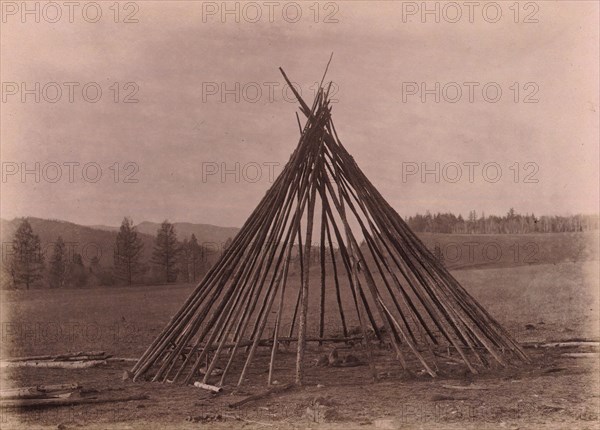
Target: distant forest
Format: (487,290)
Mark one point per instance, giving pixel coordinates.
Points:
(29,263)
(511,223)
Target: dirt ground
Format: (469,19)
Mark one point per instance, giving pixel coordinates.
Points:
(554,391)
(537,303)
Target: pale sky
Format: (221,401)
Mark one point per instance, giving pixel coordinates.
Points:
(180,128)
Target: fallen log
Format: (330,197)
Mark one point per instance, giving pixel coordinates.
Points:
(122,359)
(33,395)
(262,395)
(84,358)
(37,391)
(22,393)
(40,403)
(53,364)
(208,387)
(66,356)
(59,387)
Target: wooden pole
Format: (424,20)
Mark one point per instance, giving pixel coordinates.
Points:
(193,301)
(244,320)
(304,303)
(278,323)
(464,326)
(231,256)
(336,280)
(303,197)
(323,274)
(256,247)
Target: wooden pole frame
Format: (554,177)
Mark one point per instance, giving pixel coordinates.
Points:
(422,307)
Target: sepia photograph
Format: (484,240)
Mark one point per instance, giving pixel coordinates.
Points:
(305,214)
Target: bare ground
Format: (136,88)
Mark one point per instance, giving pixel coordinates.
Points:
(553,391)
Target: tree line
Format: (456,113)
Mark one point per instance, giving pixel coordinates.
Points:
(511,223)
(172,261)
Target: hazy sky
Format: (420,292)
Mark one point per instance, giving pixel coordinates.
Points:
(180,56)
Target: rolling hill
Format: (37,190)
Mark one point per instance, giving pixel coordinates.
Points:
(90,241)
(460,251)
(207,234)
(87,241)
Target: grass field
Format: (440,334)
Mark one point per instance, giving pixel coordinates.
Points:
(124,320)
(536,302)
(477,251)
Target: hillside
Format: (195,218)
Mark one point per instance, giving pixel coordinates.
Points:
(460,251)
(87,241)
(90,241)
(209,235)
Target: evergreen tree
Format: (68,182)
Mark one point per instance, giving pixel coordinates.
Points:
(196,254)
(77,275)
(128,252)
(184,260)
(191,259)
(26,261)
(104,275)
(166,251)
(58,265)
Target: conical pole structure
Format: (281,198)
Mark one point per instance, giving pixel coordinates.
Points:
(463,327)
(395,288)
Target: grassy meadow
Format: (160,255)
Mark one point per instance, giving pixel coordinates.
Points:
(559,300)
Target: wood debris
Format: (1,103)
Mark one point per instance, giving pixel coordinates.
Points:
(78,360)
